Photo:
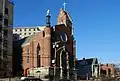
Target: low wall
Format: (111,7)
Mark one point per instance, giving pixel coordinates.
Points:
(10,79)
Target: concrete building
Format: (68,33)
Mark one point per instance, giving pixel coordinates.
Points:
(6,27)
(52,48)
(22,32)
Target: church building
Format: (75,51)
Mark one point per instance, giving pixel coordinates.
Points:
(52,48)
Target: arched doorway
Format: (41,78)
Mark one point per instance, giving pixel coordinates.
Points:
(26,71)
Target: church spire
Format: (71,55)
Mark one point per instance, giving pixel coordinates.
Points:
(64,5)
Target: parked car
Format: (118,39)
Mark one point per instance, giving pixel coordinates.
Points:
(30,79)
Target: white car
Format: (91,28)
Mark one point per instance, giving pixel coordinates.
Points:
(23,78)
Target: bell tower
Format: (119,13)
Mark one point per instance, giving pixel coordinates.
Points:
(48,18)
(64,18)
(47,41)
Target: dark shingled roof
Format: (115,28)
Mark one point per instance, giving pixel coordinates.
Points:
(90,61)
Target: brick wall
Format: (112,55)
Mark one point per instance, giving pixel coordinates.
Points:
(44,40)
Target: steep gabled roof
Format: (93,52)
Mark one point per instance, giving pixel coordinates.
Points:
(63,15)
(69,17)
(28,39)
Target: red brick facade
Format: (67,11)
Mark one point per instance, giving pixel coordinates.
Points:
(107,69)
(42,38)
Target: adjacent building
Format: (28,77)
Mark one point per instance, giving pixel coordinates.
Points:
(117,70)
(107,70)
(22,32)
(6,27)
(87,68)
(52,48)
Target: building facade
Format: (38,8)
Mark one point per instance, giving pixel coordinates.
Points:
(87,68)
(6,27)
(117,70)
(22,32)
(107,70)
(52,48)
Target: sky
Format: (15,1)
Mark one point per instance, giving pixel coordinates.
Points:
(96,24)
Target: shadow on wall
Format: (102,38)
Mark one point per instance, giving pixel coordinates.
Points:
(17,57)
(16,37)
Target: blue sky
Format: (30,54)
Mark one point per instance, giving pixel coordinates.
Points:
(96,24)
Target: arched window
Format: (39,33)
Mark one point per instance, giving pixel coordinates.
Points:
(38,55)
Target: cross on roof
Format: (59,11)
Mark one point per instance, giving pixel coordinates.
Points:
(64,4)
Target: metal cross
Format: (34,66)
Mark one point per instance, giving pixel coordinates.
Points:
(64,4)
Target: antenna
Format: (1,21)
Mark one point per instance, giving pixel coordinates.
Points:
(64,4)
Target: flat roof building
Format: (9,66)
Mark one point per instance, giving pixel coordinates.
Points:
(22,32)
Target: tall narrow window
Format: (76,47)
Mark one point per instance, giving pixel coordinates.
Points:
(38,55)
(5,65)
(1,17)
(34,29)
(0,39)
(4,54)
(27,55)
(6,22)
(0,52)
(6,10)
(0,28)
(5,32)
(5,43)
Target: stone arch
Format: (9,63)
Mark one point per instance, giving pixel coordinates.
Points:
(26,71)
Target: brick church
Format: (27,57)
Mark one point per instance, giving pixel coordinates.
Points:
(54,47)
